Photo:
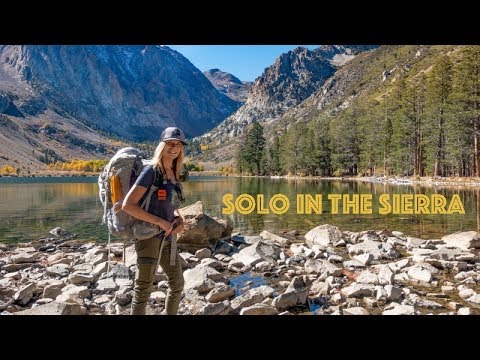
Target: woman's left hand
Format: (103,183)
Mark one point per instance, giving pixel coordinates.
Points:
(178,225)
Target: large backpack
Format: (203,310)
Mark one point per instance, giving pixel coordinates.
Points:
(114,183)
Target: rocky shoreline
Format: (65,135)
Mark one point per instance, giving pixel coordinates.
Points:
(327,271)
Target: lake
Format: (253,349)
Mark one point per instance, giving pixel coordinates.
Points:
(30,207)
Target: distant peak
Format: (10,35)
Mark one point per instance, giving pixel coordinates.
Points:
(222,75)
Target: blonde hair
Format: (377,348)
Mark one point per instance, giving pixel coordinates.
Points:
(158,164)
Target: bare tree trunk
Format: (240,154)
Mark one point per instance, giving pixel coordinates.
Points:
(476,146)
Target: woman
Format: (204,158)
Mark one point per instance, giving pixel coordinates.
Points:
(167,162)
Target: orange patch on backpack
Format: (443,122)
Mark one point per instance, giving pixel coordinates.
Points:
(162,194)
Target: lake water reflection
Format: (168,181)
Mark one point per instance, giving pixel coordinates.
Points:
(30,207)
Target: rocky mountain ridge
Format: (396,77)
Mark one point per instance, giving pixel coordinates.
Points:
(84,95)
(229,85)
(293,77)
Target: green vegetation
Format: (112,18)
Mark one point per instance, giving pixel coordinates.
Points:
(422,119)
(79,165)
(251,157)
(193,167)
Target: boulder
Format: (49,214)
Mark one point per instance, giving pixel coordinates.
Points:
(325,235)
(55,308)
(201,230)
(463,240)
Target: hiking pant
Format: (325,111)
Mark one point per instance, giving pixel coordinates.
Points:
(147,259)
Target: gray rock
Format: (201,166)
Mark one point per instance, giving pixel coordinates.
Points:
(24,257)
(86,268)
(203,253)
(320,288)
(130,256)
(158,297)
(398,265)
(449,254)
(16,267)
(329,269)
(5,302)
(55,308)
(399,235)
(377,249)
(353,264)
(202,279)
(201,230)
(395,241)
(454,305)
(42,301)
(119,271)
(100,269)
(212,263)
(278,239)
(58,231)
(253,254)
(105,285)
(295,294)
(367,277)
(323,235)
(60,270)
(248,298)
(252,239)
(13,275)
(53,289)
(358,290)
(429,304)
(313,266)
(24,294)
(266,265)
(393,293)
(80,291)
(414,242)
(224,247)
(216,308)
(365,259)
(79,277)
(397,309)
(355,311)
(464,240)
(123,299)
(464,311)
(219,293)
(95,256)
(422,272)
(334,258)
(385,275)
(259,309)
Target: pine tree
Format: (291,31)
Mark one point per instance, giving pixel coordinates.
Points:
(439,88)
(400,146)
(387,136)
(323,150)
(254,148)
(274,156)
(347,140)
(467,95)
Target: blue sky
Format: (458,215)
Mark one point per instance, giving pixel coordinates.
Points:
(246,62)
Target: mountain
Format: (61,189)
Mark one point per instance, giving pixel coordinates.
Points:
(283,86)
(229,85)
(130,91)
(65,102)
(359,91)
(369,75)
(293,77)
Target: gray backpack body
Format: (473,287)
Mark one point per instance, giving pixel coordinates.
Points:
(126,164)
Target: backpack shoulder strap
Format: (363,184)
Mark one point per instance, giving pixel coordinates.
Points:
(157,181)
